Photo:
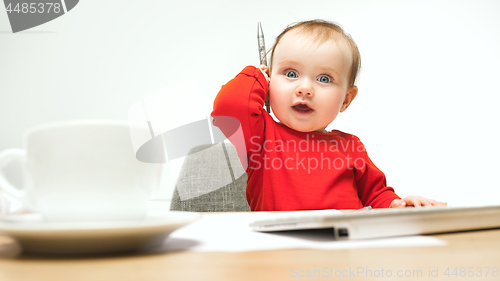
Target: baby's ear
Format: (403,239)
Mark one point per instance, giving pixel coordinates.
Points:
(349,97)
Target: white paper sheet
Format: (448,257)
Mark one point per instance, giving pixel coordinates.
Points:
(231,233)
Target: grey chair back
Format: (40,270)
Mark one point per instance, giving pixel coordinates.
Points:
(211,180)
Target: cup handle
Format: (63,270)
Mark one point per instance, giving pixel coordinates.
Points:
(7,156)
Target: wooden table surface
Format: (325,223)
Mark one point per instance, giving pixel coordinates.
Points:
(475,253)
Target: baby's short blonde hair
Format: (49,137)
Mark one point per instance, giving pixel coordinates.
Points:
(323,31)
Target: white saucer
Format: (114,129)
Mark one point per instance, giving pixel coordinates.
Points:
(36,235)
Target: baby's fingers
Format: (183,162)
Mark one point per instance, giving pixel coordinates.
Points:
(430,202)
(437,203)
(264,68)
(424,201)
(397,203)
(264,71)
(412,201)
(417,201)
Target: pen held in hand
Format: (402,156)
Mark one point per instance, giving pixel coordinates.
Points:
(262,45)
(263,59)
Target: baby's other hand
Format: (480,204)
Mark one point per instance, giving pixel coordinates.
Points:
(416,201)
(265,71)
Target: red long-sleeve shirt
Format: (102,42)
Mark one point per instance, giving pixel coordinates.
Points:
(291,170)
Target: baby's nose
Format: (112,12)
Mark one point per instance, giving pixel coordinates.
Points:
(305,88)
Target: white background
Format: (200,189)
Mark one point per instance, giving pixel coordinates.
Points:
(428,89)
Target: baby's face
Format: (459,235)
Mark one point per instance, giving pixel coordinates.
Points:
(309,83)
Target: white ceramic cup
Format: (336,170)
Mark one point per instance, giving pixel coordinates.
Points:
(82,171)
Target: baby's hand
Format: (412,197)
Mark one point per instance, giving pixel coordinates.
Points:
(416,201)
(265,71)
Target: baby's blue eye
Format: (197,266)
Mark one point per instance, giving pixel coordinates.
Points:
(291,74)
(324,79)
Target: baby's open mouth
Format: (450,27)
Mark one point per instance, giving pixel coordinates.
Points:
(302,108)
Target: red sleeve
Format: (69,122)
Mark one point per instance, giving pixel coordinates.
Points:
(371,182)
(243,98)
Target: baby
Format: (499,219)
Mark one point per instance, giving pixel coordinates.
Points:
(296,164)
